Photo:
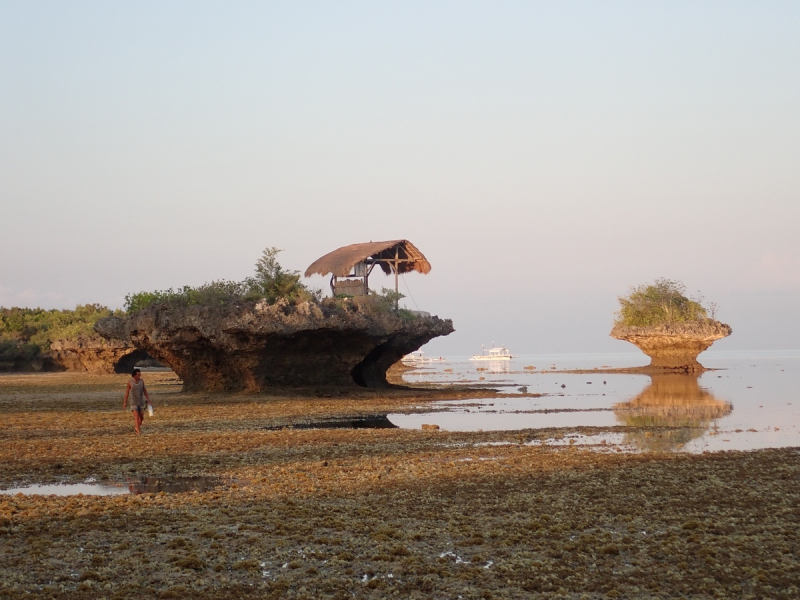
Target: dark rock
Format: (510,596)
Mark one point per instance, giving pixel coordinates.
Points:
(245,346)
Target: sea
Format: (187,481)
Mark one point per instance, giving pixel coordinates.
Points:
(745,401)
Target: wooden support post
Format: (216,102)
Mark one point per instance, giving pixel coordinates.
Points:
(366,278)
(396,286)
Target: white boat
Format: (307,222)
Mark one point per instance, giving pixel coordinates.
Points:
(416,358)
(496,353)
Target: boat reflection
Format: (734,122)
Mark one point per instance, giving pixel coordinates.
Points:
(676,406)
(497,366)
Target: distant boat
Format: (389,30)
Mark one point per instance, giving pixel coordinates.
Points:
(416,358)
(496,353)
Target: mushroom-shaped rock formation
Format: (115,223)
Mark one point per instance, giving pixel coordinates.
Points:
(676,403)
(95,355)
(674,347)
(245,346)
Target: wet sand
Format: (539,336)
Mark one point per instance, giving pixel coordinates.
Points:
(371,513)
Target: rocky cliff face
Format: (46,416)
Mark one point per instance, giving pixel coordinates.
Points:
(674,347)
(241,346)
(96,356)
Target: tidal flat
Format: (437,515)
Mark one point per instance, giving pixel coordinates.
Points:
(371,512)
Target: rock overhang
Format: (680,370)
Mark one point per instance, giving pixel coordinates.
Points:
(256,346)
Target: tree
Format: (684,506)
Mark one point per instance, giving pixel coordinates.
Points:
(271,281)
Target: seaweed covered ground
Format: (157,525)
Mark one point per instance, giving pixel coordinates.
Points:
(371,513)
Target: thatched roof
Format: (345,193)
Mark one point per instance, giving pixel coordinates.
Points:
(340,262)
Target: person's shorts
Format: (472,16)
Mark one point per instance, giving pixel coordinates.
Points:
(139,408)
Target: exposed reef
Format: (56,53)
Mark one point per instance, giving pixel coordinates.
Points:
(246,346)
(673,347)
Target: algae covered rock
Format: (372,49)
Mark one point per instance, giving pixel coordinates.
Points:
(254,346)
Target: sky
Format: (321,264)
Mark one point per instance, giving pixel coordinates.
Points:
(544,156)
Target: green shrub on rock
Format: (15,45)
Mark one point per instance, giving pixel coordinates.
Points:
(269,283)
(659,303)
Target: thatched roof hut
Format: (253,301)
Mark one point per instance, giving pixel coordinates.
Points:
(358,260)
(399,254)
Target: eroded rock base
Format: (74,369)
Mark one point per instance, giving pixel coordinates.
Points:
(96,356)
(674,347)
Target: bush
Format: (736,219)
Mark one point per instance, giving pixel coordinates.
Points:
(12,351)
(388,299)
(658,303)
(269,283)
(272,282)
(26,332)
(209,294)
(385,302)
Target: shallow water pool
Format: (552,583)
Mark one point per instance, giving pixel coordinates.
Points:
(139,485)
(751,400)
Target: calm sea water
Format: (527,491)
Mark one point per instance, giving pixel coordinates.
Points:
(750,400)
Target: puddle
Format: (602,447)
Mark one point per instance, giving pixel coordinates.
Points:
(140,485)
(69,489)
(369,422)
(602,442)
(174,485)
(752,401)
(477,420)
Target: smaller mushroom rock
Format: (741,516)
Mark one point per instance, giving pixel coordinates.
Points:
(674,346)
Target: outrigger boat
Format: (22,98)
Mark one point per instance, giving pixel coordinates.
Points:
(496,353)
(416,358)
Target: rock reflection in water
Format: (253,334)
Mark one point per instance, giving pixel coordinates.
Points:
(676,402)
(173,485)
(363,422)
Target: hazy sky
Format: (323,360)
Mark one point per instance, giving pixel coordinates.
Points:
(545,156)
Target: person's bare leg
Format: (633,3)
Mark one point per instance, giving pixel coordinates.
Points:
(136,421)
